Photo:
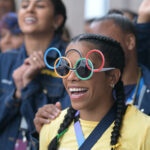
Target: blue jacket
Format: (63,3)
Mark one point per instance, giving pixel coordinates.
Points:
(143,43)
(43,90)
(144,103)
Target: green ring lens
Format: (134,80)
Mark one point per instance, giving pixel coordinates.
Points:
(77,67)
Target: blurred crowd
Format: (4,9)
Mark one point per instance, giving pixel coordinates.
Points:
(31,94)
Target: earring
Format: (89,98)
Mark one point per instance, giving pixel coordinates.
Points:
(112,85)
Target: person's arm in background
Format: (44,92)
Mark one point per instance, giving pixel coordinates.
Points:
(24,95)
(10,94)
(144,12)
(9,106)
(143,29)
(44,115)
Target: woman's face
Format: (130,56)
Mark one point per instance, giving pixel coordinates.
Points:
(10,41)
(37,16)
(86,94)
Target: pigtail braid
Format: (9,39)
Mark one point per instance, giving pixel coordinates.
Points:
(119,114)
(63,128)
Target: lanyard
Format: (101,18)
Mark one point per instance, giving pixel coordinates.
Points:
(78,131)
(136,92)
(24,128)
(97,132)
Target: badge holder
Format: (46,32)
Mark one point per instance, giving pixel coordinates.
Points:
(22,144)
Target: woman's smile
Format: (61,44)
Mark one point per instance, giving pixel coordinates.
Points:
(30,20)
(77,92)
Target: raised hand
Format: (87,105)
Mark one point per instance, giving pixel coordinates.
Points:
(45,114)
(144,12)
(34,64)
(17,76)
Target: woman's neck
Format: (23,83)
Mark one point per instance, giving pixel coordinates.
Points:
(97,113)
(131,73)
(38,42)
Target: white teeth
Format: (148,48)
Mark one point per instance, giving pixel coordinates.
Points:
(77,89)
(30,19)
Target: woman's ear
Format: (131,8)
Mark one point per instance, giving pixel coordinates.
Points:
(130,41)
(58,21)
(114,76)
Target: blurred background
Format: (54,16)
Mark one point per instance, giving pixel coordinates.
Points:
(80,10)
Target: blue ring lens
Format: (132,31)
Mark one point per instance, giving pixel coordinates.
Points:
(45,56)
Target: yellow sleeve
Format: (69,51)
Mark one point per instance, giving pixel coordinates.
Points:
(49,131)
(44,138)
(146,140)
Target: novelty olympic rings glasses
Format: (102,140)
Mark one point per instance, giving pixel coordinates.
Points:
(83,67)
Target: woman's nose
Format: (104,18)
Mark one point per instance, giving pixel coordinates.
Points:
(31,6)
(72,76)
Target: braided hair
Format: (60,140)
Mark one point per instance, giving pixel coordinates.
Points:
(114,57)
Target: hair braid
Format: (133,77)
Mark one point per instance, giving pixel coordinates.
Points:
(66,122)
(114,57)
(119,114)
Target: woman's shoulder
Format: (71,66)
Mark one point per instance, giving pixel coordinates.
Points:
(136,118)
(56,122)
(49,131)
(135,127)
(133,112)
(60,118)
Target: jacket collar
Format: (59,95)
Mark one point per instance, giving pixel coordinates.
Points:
(145,74)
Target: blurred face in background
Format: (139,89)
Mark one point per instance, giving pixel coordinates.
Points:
(6,6)
(9,40)
(37,16)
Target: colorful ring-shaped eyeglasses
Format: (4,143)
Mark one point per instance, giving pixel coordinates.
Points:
(81,70)
(45,57)
(83,67)
(75,51)
(62,70)
(103,60)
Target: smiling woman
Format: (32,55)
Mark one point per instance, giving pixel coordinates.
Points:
(97,119)
(34,16)
(41,22)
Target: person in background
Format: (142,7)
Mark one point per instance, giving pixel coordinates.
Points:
(96,119)
(26,84)
(142,24)
(136,76)
(115,11)
(87,24)
(7,6)
(130,14)
(11,36)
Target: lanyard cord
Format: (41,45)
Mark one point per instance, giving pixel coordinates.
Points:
(137,87)
(97,132)
(136,90)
